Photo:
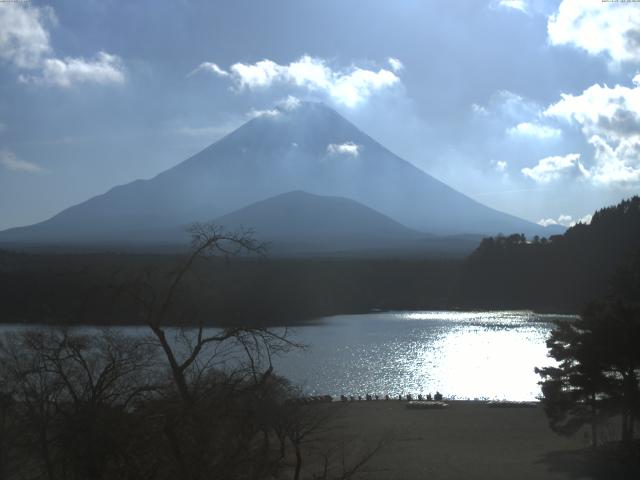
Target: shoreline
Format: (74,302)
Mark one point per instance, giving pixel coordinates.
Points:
(559,314)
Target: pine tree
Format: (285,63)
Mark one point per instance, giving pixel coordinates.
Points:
(598,370)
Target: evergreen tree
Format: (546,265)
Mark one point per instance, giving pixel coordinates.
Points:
(572,391)
(598,369)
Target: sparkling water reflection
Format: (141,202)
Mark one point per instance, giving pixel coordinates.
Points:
(461,354)
(466,355)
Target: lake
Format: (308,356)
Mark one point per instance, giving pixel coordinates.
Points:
(464,355)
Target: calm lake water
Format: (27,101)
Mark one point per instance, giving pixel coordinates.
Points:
(464,355)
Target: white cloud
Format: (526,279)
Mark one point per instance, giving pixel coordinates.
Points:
(515,4)
(209,67)
(564,220)
(528,129)
(499,165)
(290,103)
(598,27)
(24,42)
(618,165)
(103,69)
(10,162)
(348,87)
(354,88)
(598,105)
(348,148)
(552,168)
(545,222)
(253,113)
(586,220)
(395,64)
(260,74)
(479,109)
(609,118)
(23,38)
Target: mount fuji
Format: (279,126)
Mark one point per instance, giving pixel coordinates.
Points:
(303,148)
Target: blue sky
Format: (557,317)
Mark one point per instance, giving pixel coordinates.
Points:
(529,106)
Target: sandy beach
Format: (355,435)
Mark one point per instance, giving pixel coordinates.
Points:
(467,440)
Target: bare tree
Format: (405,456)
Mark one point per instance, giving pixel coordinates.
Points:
(72,395)
(197,358)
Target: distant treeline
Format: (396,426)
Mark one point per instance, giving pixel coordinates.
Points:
(94,289)
(560,273)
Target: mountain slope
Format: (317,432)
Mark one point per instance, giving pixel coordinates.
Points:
(310,148)
(303,221)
